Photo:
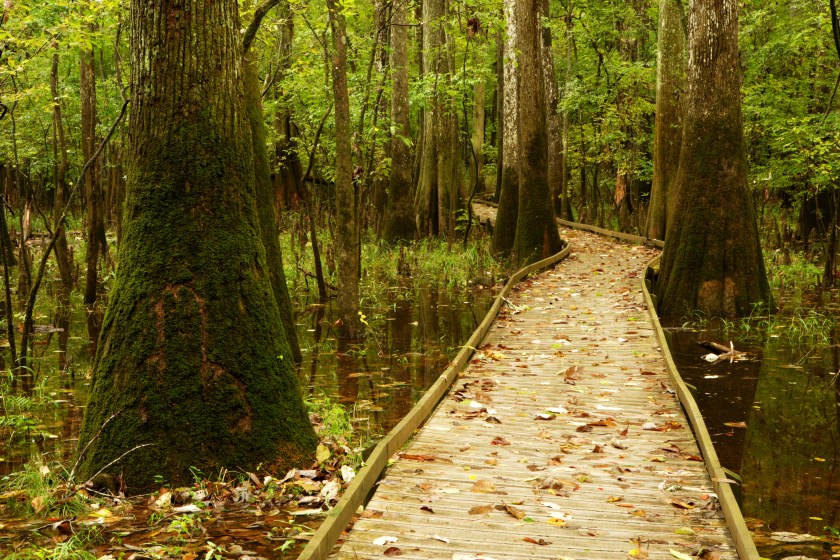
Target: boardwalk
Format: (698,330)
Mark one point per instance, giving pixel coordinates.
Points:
(562,440)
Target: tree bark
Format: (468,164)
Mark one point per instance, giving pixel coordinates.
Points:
(554,118)
(265,204)
(63,254)
(536,230)
(712,259)
(95,225)
(439,184)
(399,217)
(192,367)
(505,233)
(670,94)
(347,234)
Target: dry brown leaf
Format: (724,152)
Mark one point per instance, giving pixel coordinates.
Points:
(393,551)
(517,513)
(499,440)
(483,487)
(541,542)
(480,510)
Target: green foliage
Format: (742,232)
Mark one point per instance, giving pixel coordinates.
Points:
(41,490)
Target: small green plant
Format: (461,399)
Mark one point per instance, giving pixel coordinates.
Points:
(186,526)
(74,548)
(39,490)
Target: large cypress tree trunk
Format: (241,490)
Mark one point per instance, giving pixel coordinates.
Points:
(536,231)
(191,370)
(505,232)
(712,259)
(399,216)
(670,85)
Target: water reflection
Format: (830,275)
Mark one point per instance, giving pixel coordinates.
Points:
(786,456)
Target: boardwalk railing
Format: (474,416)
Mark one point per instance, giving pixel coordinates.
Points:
(339,517)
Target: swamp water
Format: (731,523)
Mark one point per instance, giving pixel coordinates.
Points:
(378,379)
(774,418)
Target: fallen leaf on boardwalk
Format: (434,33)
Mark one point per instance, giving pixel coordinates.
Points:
(598,449)
(584,428)
(617,444)
(412,457)
(673,448)
(381,541)
(680,555)
(684,531)
(441,539)
(557,410)
(480,510)
(517,513)
(393,551)
(535,468)
(557,522)
(603,423)
(650,426)
(671,425)
(693,458)
(483,487)
(462,449)
(735,424)
(550,505)
(492,420)
(637,553)
(648,373)
(541,542)
(554,461)
(499,440)
(427,509)
(543,416)
(681,504)
(614,499)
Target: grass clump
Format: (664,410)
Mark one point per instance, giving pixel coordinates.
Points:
(40,490)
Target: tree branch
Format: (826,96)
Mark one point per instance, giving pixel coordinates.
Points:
(254,26)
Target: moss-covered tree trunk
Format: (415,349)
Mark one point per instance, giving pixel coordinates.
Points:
(712,259)
(265,201)
(670,88)
(347,216)
(536,230)
(399,215)
(193,367)
(505,232)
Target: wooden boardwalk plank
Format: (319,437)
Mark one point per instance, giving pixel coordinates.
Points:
(563,439)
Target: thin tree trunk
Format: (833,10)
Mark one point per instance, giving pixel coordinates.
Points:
(347,240)
(505,233)
(63,255)
(399,216)
(670,95)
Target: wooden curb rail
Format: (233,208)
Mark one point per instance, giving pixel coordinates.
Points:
(324,539)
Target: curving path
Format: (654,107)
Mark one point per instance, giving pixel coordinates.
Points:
(563,439)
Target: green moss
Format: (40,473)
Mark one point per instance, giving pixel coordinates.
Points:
(193,359)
